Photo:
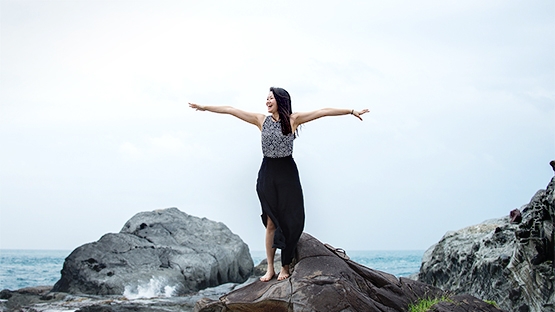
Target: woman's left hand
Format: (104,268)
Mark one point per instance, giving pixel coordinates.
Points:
(357,114)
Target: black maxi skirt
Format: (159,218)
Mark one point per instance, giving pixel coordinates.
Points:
(281,197)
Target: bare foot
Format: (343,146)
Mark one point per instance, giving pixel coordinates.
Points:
(268,276)
(284,273)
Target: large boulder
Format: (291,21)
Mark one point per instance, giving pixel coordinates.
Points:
(325,280)
(507,260)
(167,252)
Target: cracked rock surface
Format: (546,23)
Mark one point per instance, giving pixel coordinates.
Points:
(509,262)
(167,250)
(323,281)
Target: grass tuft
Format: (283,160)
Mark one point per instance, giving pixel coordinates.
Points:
(493,303)
(424,305)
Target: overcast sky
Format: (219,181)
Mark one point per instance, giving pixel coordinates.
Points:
(95,127)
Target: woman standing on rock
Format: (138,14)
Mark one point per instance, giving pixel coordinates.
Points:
(278,185)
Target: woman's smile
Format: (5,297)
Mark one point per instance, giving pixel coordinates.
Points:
(271,103)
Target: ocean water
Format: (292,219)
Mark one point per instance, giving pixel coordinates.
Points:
(396,262)
(29,268)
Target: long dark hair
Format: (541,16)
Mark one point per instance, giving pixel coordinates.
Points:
(283,100)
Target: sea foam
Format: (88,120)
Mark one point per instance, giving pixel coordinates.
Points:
(155,288)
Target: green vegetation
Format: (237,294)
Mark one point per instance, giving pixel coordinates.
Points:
(493,303)
(424,305)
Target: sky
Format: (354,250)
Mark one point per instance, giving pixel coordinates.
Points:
(95,126)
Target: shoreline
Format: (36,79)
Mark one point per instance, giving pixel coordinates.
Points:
(390,261)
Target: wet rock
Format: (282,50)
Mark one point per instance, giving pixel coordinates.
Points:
(24,300)
(322,280)
(500,260)
(167,250)
(16,300)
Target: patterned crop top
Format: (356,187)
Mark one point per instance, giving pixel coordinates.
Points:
(274,143)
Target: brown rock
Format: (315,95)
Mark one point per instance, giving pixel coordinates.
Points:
(463,303)
(516,216)
(324,281)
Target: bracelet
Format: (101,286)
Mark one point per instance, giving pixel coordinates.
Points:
(352,112)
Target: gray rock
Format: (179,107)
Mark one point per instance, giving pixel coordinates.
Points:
(509,263)
(41,299)
(164,251)
(18,299)
(323,280)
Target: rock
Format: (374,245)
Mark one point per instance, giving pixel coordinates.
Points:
(463,303)
(165,251)
(515,216)
(39,299)
(322,280)
(16,299)
(509,263)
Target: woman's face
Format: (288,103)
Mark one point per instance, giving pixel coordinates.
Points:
(271,103)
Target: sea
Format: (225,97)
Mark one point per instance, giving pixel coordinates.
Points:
(30,268)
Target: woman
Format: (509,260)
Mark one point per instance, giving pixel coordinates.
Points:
(278,185)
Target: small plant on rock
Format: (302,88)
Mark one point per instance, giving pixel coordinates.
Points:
(424,305)
(493,303)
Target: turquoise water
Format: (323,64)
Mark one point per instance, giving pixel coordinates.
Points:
(28,268)
(396,262)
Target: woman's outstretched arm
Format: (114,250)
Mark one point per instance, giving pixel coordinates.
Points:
(300,118)
(252,118)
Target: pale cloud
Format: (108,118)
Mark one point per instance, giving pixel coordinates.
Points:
(129,150)
(167,142)
(152,148)
(167,147)
(94,113)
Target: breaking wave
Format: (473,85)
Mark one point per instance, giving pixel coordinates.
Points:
(155,288)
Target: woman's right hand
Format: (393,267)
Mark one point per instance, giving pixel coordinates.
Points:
(197,107)
(358,113)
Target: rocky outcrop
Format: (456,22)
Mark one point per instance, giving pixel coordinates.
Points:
(41,299)
(164,249)
(324,280)
(15,300)
(508,262)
